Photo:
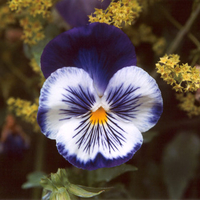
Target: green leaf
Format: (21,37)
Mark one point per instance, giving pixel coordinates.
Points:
(33,180)
(63,176)
(60,178)
(61,188)
(179,163)
(107,174)
(36,50)
(94,189)
(85,192)
(60,194)
(57,180)
(47,184)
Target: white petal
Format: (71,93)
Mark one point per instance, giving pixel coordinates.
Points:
(134,96)
(67,93)
(95,146)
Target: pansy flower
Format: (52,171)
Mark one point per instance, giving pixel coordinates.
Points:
(95,101)
(75,12)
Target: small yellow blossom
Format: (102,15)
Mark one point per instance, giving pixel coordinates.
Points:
(39,36)
(24,22)
(117,13)
(187,104)
(36,68)
(186,76)
(36,25)
(30,12)
(178,88)
(170,80)
(32,31)
(159,45)
(6,17)
(164,59)
(183,78)
(24,109)
(34,8)
(177,70)
(186,67)
(161,69)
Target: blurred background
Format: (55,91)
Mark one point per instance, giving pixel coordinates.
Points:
(168,163)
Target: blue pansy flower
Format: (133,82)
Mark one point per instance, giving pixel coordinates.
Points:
(75,12)
(95,102)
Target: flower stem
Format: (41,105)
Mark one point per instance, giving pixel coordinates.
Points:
(184,30)
(39,161)
(179,26)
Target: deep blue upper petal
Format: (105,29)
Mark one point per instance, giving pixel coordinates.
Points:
(98,48)
(75,12)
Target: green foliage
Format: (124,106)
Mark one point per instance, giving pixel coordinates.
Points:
(80,192)
(36,50)
(56,183)
(60,187)
(180,161)
(108,174)
(33,180)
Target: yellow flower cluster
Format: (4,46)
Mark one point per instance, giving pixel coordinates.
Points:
(36,69)
(35,66)
(188,104)
(182,77)
(32,31)
(34,7)
(144,33)
(122,11)
(31,12)
(6,17)
(24,109)
(159,45)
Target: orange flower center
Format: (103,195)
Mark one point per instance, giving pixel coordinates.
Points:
(98,117)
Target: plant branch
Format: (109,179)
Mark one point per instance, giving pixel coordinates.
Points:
(184,30)
(179,26)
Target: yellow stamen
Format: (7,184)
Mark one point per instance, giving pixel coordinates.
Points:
(99,116)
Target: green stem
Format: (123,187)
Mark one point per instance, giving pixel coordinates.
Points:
(184,30)
(179,26)
(39,160)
